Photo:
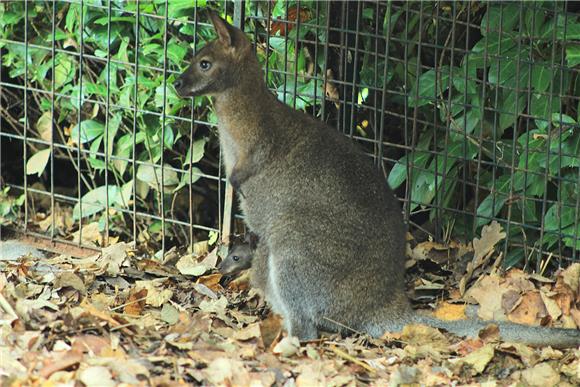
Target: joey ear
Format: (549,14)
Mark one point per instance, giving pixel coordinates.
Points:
(224,30)
(251,239)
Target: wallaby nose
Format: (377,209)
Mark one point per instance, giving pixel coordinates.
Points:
(178,83)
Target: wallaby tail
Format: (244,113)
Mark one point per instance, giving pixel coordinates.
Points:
(525,334)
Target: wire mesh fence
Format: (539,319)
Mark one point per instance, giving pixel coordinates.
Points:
(470,109)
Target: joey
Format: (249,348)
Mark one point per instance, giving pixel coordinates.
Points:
(239,257)
(331,252)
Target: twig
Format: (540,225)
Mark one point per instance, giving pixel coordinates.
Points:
(352,359)
(128,303)
(342,325)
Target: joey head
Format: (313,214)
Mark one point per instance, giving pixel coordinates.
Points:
(239,257)
(332,237)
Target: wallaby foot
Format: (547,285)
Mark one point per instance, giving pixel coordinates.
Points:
(301,327)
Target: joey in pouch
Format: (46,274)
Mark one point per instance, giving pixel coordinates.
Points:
(332,237)
(239,256)
(238,259)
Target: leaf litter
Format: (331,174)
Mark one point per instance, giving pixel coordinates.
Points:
(123,318)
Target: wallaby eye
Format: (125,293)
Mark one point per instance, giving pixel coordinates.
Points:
(236,258)
(205,65)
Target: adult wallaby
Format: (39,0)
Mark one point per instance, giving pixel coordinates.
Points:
(331,231)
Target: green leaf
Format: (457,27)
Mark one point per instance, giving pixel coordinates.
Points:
(176,51)
(90,130)
(44,126)
(71,17)
(37,163)
(493,44)
(494,202)
(558,217)
(500,17)
(541,110)
(504,71)
(152,176)
(534,20)
(103,21)
(541,76)
(466,122)
(195,153)
(195,174)
(572,55)
(125,194)
(430,85)
(64,70)
(509,103)
(95,201)
(399,172)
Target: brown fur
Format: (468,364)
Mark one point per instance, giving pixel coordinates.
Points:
(332,237)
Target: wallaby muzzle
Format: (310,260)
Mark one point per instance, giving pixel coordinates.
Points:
(183,87)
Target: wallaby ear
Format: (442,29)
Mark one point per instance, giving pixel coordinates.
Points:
(223,29)
(252,240)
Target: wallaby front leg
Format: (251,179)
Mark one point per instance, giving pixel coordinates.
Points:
(241,172)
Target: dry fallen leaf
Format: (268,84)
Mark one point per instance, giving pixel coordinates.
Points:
(225,371)
(287,347)
(478,359)
(270,330)
(90,235)
(157,293)
(571,276)
(188,265)
(136,302)
(311,374)
(97,376)
(483,247)
(447,311)
(70,279)
(250,332)
(490,235)
(488,293)
(541,375)
(169,314)
(552,307)
(212,281)
(531,310)
(424,341)
(528,356)
(61,361)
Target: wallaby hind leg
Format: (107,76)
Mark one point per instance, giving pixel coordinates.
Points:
(291,299)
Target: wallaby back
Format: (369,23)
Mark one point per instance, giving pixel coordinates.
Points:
(332,236)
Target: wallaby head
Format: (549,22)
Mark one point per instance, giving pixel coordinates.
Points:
(217,67)
(238,259)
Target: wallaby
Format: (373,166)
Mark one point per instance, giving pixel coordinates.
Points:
(332,236)
(239,256)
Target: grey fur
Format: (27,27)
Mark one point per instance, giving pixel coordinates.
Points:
(239,258)
(332,236)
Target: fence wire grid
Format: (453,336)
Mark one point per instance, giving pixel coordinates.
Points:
(471,110)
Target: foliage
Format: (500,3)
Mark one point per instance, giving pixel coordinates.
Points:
(507,127)
(102,104)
